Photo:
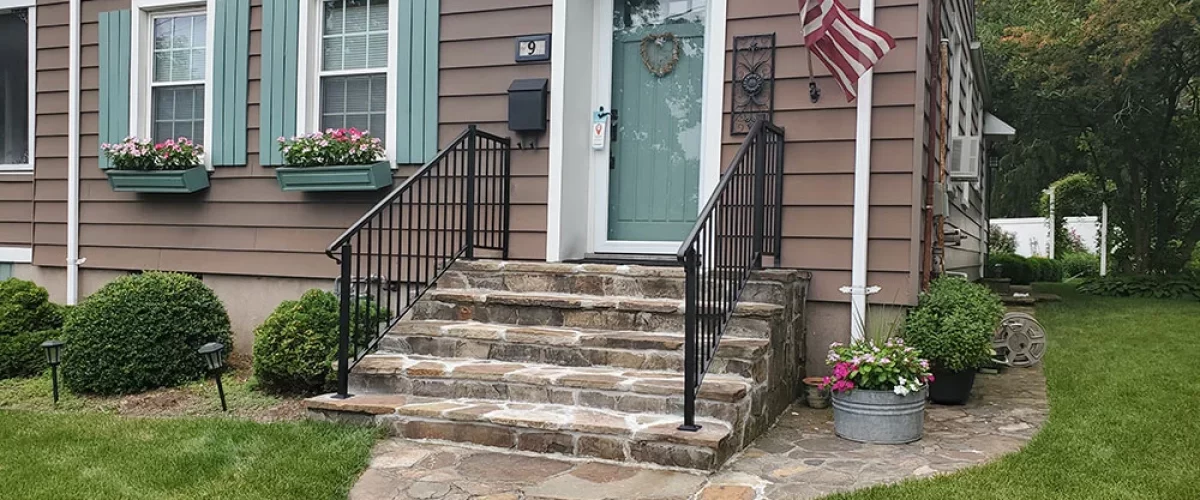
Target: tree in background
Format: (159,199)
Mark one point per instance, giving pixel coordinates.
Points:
(1001,241)
(1108,88)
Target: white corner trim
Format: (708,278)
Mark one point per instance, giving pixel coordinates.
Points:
(16,255)
(73,156)
(862,188)
(558,78)
(713,94)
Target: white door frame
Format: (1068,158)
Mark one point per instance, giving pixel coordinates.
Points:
(712,99)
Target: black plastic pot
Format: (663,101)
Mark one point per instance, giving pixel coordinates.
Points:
(951,388)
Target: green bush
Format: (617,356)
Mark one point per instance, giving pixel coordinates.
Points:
(1046,270)
(26,307)
(296,347)
(141,332)
(953,324)
(1080,265)
(1012,266)
(1151,287)
(21,355)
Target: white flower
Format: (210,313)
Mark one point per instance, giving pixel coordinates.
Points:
(900,390)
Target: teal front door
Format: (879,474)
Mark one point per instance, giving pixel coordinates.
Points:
(657,87)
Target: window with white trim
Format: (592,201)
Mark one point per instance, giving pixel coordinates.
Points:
(353,60)
(17,33)
(178,53)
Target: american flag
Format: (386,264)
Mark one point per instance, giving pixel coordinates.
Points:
(845,43)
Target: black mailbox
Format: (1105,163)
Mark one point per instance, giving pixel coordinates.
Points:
(527,105)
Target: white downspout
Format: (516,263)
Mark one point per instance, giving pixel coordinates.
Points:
(862,191)
(73,158)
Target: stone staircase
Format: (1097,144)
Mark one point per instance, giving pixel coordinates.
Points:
(578,359)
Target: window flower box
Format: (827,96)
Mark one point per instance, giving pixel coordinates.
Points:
(368,177)
(172,166)
(333,160)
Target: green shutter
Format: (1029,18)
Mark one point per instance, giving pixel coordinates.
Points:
(114,40)
(417,88)
(231,55)
(280,51)
(6,271)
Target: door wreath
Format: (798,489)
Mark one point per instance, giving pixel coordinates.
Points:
(665,67)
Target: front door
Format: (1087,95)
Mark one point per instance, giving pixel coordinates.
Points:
(657,84)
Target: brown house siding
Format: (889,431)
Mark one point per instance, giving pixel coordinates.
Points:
(819,183)
(16,210)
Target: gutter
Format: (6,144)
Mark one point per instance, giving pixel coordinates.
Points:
(981,73)
(862,191)
(73,158)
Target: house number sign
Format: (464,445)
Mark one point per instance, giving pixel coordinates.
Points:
(533,48)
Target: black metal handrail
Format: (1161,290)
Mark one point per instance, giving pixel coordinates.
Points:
(454,204)
(742,221)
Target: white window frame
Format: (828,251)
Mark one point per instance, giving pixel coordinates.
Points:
(31,13)
(308,87)
(142,61)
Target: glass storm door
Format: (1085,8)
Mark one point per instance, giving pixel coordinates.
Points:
(657,87)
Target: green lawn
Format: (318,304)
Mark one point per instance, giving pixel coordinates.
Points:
(101,456)
(1124,385)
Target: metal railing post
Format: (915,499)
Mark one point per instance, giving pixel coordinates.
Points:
(343,361)
(507,208)
(779,200)
(691,349)
(472,152)
(760,176)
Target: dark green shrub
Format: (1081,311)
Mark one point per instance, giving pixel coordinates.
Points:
(1151,287)
(21,355)
(26,307)
(953,324)
(141,332)
(296,347)
(1046,270)
(1080,265)
(1011,266)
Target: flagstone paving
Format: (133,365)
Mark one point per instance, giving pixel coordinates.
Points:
(799,458)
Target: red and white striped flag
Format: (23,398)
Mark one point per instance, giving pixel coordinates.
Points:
(845,43)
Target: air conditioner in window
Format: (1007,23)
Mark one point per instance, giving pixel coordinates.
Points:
(965,160)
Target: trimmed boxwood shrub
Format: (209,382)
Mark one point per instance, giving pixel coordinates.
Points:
(1012,266)
(26,307)
(21,355)
(141,332)
(953,324)
(1080,265)
(295,349)
(1046,270)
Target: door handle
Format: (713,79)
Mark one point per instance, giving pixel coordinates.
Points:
(612,125)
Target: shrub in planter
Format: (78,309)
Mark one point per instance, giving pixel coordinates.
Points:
(878,391)
(141,332)
(1013,267)
(26,307)
(295,349)
(342,146)
(133,153)
(952,326)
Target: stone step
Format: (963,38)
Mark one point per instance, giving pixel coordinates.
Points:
(765,285)
(568,346)
(750,319)
(725,397)
(541,428)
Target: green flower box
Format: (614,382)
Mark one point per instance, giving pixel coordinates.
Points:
(371,177)
(158,181)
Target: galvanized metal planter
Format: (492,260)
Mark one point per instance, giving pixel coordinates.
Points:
(335,178)
(879,417)
(158,181)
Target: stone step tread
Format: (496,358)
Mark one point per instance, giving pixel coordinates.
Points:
(744,348)
(551,417)
(576,301)
(634,271)
(716,387)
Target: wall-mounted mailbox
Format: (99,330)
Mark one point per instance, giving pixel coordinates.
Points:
(527,105)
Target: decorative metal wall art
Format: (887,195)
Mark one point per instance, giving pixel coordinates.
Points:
(753,81)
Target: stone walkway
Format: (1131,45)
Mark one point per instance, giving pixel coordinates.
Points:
(799,458)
